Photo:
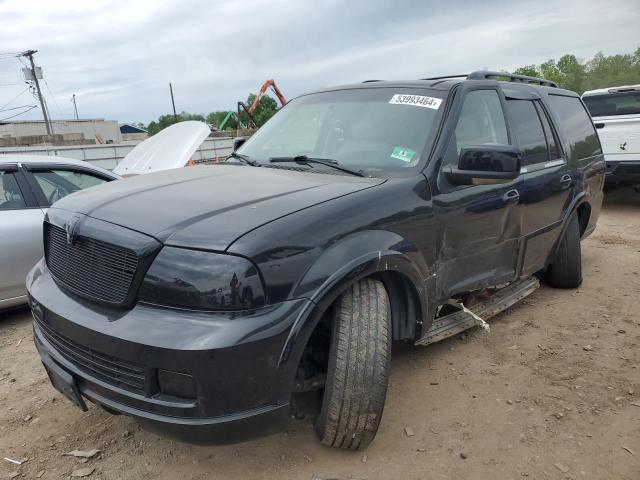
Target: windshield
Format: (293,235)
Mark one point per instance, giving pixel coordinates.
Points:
(368,129)
(608,105)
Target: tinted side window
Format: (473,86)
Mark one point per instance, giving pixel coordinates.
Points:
(525,123)
(56,184)
(10,195)
(575,125)
(554,151)
(624,103)
(481,122)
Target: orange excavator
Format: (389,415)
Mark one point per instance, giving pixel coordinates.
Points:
(249,110)
(263,90)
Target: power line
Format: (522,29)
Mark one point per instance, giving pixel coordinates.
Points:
(17,108)
(54,99)
(17,114)
(9,102)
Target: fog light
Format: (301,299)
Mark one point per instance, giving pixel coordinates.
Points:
(176,384)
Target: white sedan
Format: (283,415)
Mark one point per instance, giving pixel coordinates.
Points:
(28,186)
(31,184)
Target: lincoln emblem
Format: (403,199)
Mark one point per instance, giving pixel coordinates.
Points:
(71,228)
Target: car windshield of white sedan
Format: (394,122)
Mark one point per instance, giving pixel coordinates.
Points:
(369,128)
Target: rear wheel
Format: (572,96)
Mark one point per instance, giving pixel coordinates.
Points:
(566,269)
(359,361)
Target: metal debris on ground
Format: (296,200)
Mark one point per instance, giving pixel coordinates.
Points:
(17,462)
(82,453)
(409,431)
(83,472)
(627,449)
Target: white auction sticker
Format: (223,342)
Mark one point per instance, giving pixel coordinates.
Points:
(416,101)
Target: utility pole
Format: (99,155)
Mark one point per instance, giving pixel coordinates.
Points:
(47,123)
(75,107)
(173,103)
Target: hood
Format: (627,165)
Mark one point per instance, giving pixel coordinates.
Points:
(170,148)
(210,206)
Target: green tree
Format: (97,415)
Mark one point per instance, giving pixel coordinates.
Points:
(599,72)
(529,70)
(166,120)
(215,119)
(265,109)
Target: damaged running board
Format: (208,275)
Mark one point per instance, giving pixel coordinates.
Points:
(454,323)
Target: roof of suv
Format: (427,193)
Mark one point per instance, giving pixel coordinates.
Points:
(446,83)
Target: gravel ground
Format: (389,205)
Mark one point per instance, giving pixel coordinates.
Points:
(553,392)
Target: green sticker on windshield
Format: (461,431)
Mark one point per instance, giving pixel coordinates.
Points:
(404,154)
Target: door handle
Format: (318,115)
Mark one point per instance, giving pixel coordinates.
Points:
(512,196)
(566,179)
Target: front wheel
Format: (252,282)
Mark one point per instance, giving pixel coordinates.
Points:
(566,269)
(358,371)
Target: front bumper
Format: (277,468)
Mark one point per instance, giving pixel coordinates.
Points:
(241,388)
(622,171)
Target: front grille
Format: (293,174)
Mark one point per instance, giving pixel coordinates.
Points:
(109,369)
(89,267)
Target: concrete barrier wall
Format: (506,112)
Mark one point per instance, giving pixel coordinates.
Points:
(108,156)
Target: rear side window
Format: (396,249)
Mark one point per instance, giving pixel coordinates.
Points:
(10,195)
(552,142)
(612,104)
(576,126)
(525,123)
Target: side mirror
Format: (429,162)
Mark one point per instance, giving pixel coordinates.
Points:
(237,143)
(485,163)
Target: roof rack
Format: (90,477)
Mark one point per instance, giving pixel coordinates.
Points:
(444,77)
(488,75)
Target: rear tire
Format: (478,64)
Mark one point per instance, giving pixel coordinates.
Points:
(359,361)
(566,269)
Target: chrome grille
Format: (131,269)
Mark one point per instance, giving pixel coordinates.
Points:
(89,267)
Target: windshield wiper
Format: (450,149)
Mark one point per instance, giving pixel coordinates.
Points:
(244,159)
(322,161)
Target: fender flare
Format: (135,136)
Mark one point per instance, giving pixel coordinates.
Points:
(580,199)
(360,267)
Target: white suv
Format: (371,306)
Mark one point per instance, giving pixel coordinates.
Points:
(616,115)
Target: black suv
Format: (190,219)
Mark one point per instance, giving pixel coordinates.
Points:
(202,300)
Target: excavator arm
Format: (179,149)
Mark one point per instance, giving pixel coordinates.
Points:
(263,90)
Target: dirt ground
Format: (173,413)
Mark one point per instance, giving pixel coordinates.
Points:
(552,392)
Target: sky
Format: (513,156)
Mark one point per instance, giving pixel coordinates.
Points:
(118,57)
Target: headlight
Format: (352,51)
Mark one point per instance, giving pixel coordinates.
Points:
(202,280)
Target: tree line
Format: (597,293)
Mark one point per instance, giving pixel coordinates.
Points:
(599,72)
(568,72)
(263,112)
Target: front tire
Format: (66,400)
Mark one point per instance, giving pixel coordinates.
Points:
(566,269)
(358,371)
